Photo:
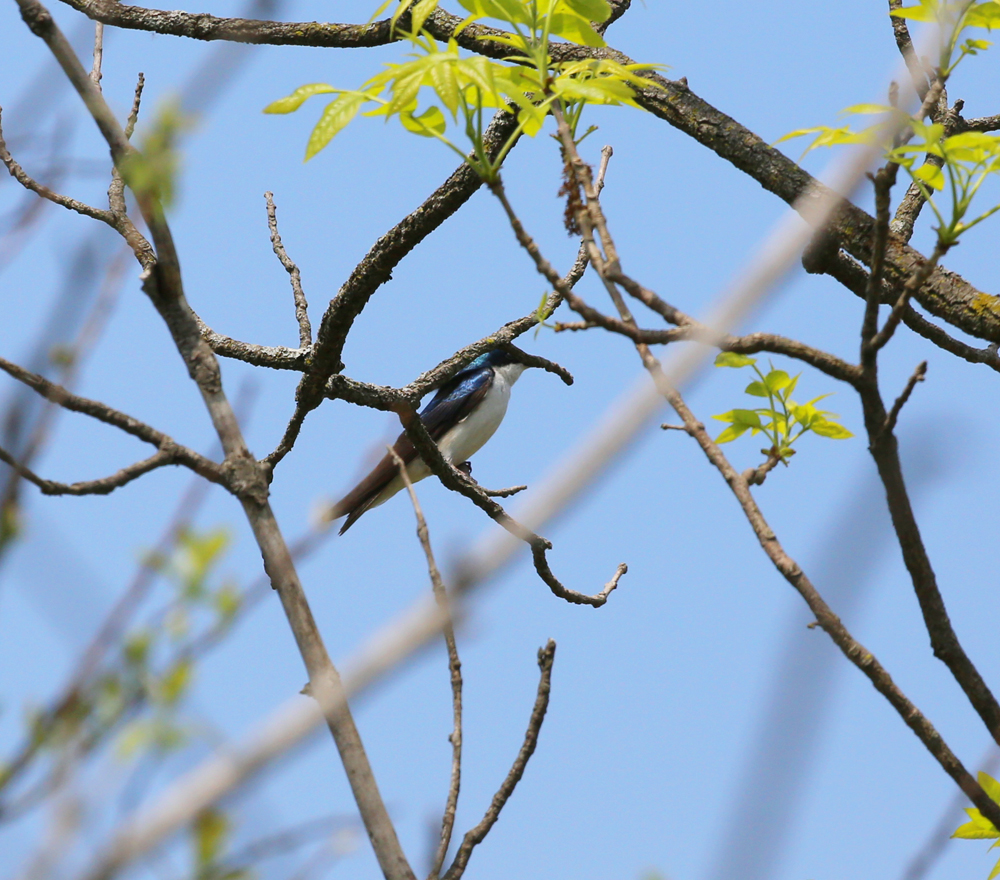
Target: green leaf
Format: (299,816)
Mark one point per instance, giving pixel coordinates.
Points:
(924,12)
(826,428)
(592,10)
(978,828)
(297,98)
(989,785)
(747,417)
(786,392)
(336,116)
(136,648)
(175,682)
(776,380)
(510,11)
(210,830)
(446,84)
(576,29)
(731,433)
(227,601)
(400,9)
(421,12)
(757,389)
(427,124)
(732,359)
(931,175)
(995,871)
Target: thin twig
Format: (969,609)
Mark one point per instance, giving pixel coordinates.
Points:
(503,493)
(103,486)
(29,183)
(95,72)
(104,413)
(918,376)
(301,306)
(913,284)
(116,191)
(454,667)
(476,835)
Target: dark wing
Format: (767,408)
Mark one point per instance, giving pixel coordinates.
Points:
(452,403)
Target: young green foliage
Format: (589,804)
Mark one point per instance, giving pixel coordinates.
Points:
(967,159)
(979,827)
(462,86)
(782,421)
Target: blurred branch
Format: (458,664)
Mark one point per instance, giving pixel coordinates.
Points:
(29,183)
(905,45)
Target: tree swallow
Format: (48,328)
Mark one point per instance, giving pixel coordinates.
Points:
(461,417)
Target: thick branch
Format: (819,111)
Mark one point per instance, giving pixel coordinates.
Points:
(201,26)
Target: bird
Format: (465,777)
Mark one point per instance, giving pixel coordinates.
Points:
(464,413)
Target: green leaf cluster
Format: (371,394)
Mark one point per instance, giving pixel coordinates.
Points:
(953,17)
(782,421)
(958,165)
(979,827)
(966,161)
(153,169)
(460,86)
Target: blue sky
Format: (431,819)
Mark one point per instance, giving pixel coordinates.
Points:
(696,727)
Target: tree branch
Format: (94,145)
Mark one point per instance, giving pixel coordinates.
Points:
(918,376)
(29,183)
(458,481)
(103,486)
(477,835)
(454,667)
(301,306)
(247,480)
(104,413)
(825,617)
(905,45)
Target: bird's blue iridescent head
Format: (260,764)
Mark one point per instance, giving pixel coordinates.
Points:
(496,358)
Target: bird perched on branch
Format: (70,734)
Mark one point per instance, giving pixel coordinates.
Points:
(461,417)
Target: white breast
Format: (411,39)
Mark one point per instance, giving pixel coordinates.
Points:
(468,436)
